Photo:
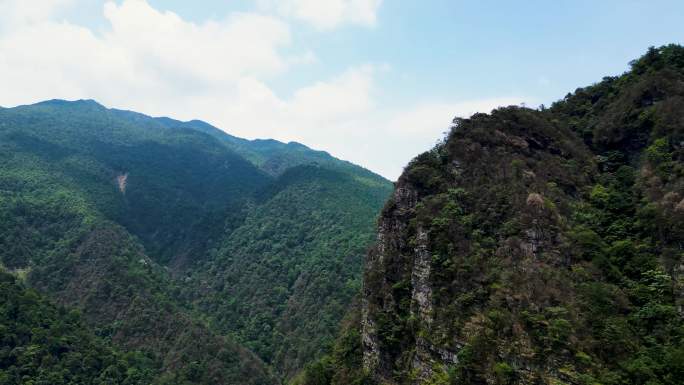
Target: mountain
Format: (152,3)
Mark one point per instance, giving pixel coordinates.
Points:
(534,247)
(271,156)
(138,223)
(175,187)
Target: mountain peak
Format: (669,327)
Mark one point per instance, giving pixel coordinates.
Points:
(63,102)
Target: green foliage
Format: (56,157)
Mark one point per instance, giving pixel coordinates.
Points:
(180,188)
(342,366)
(46,344)
(176,239)
(660,156)
(659,58)
(294,264)
(504,373)
(554,238)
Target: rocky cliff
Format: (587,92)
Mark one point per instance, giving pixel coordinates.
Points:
(535,246)
(475,229)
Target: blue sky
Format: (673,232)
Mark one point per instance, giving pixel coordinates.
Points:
(372,81)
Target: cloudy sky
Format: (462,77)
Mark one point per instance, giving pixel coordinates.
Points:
(371,81)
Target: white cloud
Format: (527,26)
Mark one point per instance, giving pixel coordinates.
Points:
(243,44)
(160,64)
(15,13)
(417,129)
(344,116)
(326,14)
(144,52)
(310,116)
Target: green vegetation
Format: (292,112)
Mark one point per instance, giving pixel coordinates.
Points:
(294,265)
(46,344)
(530,246)
(343,365)
(554,243)
(156,231)
(180,184)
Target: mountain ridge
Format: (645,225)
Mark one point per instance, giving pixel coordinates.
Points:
(533,247)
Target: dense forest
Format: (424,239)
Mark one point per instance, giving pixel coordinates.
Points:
(46,344)
(533,246)
(184,250)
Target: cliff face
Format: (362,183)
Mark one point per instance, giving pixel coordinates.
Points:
(539,246)
(466,219)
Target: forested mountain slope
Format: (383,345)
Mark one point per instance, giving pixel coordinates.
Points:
(281,282)
(70,252)
(46,344)
(534,247)
(117,214)
(171,187)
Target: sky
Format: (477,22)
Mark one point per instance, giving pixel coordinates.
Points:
(374,82)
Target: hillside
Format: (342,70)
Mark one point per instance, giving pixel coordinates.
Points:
(180,183)
(43,343)
(81,260)
(114,213)
(281,282)
(534,247)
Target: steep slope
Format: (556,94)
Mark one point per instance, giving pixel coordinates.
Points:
(281,282)
(294,261)
(59,198)
(534,246)
(83,261)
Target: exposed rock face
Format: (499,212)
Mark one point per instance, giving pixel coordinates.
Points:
(371,351)
(121,182)
(426,231)
(420,280)
(421,305)
(477,243)
(680,290)
(391,246)
(539,246)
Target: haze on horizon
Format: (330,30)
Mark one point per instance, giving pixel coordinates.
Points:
(335,75)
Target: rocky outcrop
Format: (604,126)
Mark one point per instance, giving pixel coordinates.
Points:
(538,246)
(420,280)
(391,250)
(421,306)
(426,289)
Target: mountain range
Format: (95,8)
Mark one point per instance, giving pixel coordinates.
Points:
(219,259)
(529,246)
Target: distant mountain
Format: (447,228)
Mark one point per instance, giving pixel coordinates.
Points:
(135,222)
(270,155)
(534,247)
